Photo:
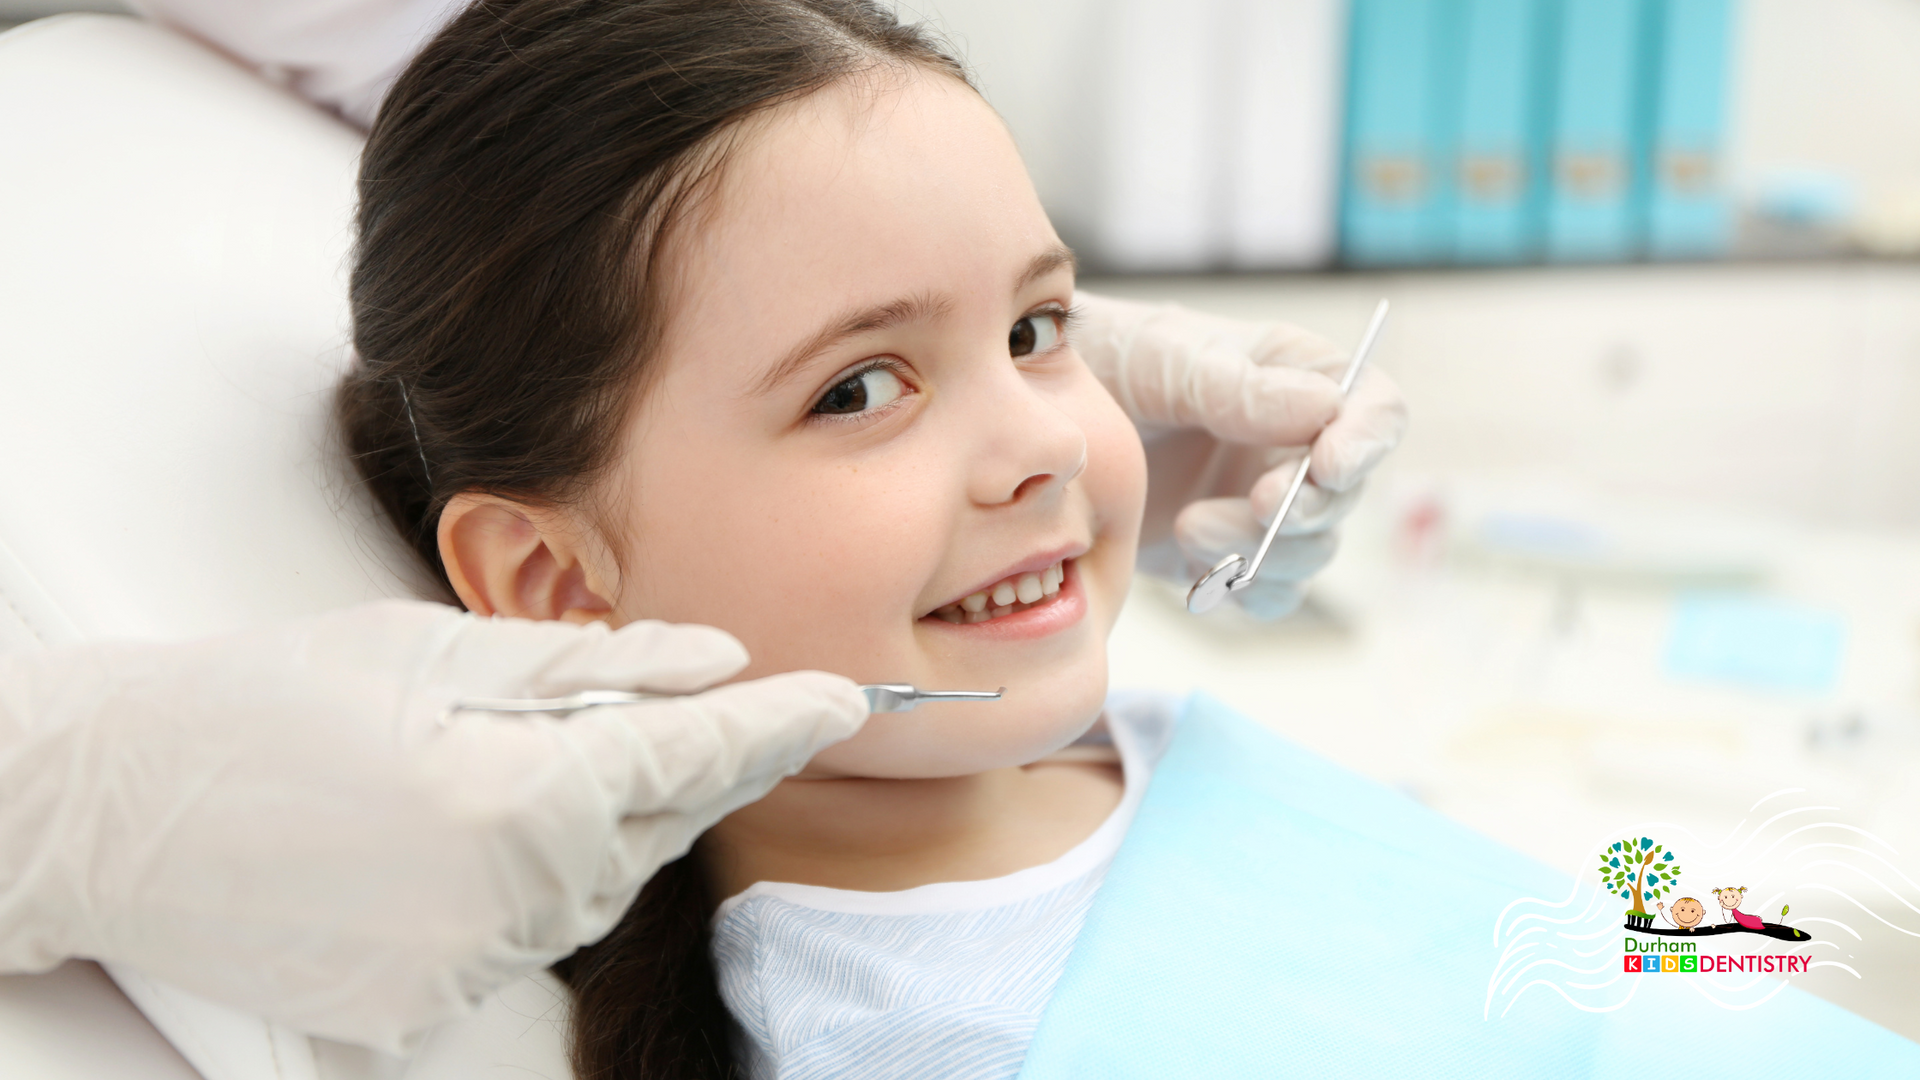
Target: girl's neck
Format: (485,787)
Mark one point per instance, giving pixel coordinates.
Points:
(885,835)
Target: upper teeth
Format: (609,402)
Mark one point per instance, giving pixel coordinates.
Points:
(1005,597)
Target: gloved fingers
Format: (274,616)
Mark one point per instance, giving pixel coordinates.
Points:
(1223,391)
(1371,422)
(713,752)
(1170,367)
(641,845)
(551,659)
(1286,345)
(1211,529)
(1315,509)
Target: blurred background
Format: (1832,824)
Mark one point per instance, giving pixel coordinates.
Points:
(1651,550)
(1269,134)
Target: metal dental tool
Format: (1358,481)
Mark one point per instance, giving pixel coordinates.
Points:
(1234,572)
(881,697)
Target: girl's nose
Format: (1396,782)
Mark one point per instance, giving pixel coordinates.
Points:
(1031,448)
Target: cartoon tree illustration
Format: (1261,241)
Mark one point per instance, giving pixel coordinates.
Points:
(1638,870)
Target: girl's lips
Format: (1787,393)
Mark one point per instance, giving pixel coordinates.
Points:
(1057,612)
(1032,565)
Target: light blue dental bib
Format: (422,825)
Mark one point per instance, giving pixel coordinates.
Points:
(1271,914)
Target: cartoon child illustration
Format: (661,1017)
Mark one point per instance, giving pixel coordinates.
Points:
(1685,914)
(1730,900)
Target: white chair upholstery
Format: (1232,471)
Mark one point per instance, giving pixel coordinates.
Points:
(172,317)
(173,305)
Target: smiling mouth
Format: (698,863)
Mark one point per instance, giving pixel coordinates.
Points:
(1009,596)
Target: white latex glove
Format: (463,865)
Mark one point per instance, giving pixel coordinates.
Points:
(1226,409)
(279,820)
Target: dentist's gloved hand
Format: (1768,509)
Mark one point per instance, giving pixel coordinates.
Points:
(280,821)
(1226,409)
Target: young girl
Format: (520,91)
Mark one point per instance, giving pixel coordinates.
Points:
(745,313)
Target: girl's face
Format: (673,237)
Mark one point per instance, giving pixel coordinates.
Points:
(865,413)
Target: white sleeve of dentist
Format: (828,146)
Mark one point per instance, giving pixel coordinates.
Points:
(1226,409)
(280,820)
(340,54)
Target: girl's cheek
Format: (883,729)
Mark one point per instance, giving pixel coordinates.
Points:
(1116,466)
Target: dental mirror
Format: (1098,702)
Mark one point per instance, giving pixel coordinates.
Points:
(1234,572)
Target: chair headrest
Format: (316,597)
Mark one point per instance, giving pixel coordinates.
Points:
(172,319)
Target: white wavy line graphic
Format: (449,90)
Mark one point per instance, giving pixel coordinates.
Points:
(1869,854)
(1861,906)
(1755,835)
(1908,904)
(1501,919)
(1831,922)
(1828,825)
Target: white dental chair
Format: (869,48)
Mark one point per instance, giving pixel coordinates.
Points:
(174,235)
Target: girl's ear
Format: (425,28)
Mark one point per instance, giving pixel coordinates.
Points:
(506,558)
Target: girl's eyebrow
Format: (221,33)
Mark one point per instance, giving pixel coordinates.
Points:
(863,321)
(1046,263)
(906,309)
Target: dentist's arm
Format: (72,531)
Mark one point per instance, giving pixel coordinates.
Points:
(1226,409)
(339,54)
(280,820)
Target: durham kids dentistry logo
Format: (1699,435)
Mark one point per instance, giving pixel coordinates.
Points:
(1639,871)
(1721,918)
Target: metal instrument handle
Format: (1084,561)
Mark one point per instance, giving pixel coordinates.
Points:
(881,697)
(1245,577)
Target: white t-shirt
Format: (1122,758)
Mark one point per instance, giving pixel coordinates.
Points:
(947,980)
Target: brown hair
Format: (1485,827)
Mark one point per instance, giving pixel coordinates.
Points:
(506,292)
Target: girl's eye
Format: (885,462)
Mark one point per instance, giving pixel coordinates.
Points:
(1037,333)
(861,391)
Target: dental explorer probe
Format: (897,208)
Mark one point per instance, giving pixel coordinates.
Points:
(1234,572)
(881,697)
